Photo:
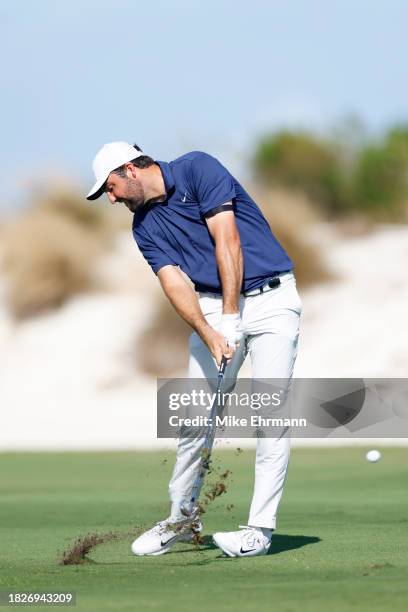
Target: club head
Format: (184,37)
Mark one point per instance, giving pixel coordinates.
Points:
(189,512)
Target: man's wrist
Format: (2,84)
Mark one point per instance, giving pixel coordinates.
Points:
(230,309)
(202,327)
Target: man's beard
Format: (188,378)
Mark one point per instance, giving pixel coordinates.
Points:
(135,196)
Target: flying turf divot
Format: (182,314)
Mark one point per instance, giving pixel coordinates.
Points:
(77,553)
(212,491)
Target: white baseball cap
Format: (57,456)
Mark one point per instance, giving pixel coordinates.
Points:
(111,156)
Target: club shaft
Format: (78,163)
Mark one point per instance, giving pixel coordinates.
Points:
(208,441)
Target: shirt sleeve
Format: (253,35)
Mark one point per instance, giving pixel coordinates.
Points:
(154,255)
(213,185)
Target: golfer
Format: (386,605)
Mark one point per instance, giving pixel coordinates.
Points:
(192,215)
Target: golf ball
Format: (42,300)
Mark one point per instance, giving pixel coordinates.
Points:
(373,456)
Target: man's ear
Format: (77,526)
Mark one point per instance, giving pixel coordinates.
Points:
(130,170)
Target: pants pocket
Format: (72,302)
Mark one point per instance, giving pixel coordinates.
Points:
(210,307)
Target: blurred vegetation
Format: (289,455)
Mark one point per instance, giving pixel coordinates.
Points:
(361,176)
(47,259)
(290,216)
(98,217)
(74,208)
(301,162)
(49,251)
(380,179)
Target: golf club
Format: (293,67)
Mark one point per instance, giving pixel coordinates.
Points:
(190,510)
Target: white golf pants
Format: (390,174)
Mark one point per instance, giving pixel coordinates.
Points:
(271,329)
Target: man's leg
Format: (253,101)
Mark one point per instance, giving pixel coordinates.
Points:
(163,536)
(273,355)
(271,321)
(201,365)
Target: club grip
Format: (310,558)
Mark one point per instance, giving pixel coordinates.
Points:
(223,365)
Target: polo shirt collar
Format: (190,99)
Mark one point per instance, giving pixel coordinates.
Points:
(167,176)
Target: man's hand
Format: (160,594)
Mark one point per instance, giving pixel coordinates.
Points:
(231,329)
(225,339)
(217,344)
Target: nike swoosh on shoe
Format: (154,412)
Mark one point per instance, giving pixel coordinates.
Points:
(168,541)
(242,551)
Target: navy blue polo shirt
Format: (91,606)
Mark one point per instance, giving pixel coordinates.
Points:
(175,232)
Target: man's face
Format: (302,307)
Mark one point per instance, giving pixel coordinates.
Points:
(128,190)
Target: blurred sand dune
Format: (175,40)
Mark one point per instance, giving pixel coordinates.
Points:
(68,379)
(356,325)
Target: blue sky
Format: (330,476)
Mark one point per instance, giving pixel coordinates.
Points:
(187,74)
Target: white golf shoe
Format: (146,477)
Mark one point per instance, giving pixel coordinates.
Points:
(248,542)
(163,536)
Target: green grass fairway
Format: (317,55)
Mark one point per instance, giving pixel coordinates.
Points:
(341,542)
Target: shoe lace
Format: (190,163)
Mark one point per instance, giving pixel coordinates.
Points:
(180,527)
(250,535)
(163,526)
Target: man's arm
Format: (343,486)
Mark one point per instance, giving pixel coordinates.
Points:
(228,254)
(185,302)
